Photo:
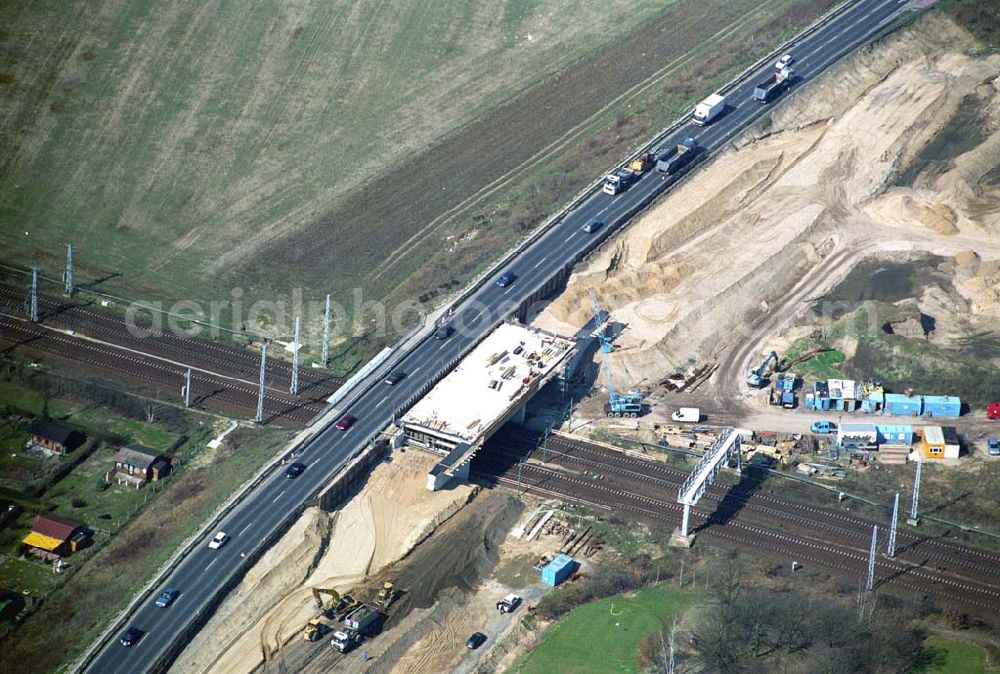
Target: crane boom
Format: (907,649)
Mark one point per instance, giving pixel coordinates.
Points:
(600,332)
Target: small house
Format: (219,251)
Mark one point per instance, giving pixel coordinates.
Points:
(54,439)
(932,442)
(136,465)
(52,536)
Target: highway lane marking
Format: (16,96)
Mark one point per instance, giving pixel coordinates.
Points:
(508,290)
(211,563)
(278,496)
(540,263)
(569,237)
(243,530)
(381,401)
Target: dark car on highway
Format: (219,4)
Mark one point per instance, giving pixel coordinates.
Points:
(506,279)
(443,331)
(345,422)
(167,597)
(130,636)
(475,641)
(592,226)
(294,470)
(395,377)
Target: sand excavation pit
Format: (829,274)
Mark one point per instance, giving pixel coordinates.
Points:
(391,514)
(730,258)
(436,579)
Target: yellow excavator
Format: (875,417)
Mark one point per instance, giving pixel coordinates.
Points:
(315,627)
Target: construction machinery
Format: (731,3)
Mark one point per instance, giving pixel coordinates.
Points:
(757,377)
(627,404)
(336,606)
(346,640)
(385,596)
(602,333)
(642,163)
(322,606)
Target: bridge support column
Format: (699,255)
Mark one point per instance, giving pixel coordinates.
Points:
(680,538)
(521,414)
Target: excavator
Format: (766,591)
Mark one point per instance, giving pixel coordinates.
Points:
(338,605)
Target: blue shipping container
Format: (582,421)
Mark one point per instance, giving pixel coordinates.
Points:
(558,570)
(903,406)
(942,406)
(823,404)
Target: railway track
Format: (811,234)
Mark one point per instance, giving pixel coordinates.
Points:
(834,543)
(670,478)
(218,357)
(849,561)
(209,390)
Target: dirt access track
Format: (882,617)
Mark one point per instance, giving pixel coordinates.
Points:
(730,259)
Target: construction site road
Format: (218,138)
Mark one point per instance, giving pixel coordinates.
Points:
(268,507)
(740,516)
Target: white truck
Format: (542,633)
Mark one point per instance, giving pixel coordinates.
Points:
(508,604)
(690,415)
(709,109)
(346,640)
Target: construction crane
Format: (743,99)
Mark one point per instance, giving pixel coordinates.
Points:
(603,334)
(756,377)
(627,404)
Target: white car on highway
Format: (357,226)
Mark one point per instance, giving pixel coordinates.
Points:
(219,540)
(784,61)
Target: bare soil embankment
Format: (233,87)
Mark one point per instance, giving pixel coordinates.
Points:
(380,525)
(729,260)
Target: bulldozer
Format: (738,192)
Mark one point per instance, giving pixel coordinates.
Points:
(386,595)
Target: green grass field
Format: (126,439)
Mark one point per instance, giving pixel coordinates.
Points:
(953,656)
(602,637)
(171,141)
(195,149)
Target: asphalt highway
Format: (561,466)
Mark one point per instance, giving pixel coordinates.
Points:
(202,574)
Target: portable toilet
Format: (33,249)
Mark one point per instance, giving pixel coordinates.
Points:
(810,401)
(932,442)
(558,570)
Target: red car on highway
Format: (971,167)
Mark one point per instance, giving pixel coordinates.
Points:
(345,422)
